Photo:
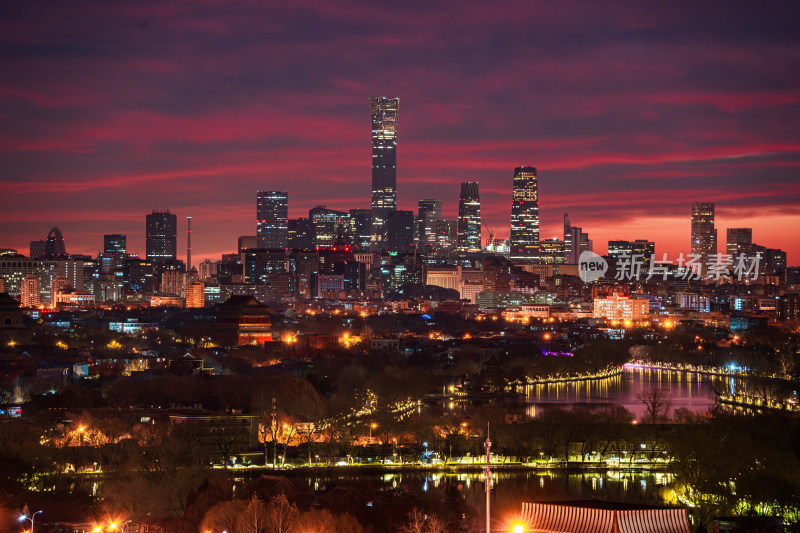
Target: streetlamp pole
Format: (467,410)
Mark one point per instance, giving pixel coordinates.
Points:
(31,518)
(488,445)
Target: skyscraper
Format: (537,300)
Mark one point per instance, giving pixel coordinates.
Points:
(361,221)
(400,230)
(430,214)
(272,214)
(469,218)
(31,296)
(301,234)
(161,236)
(551,251)
(736,239)
(524,235)
(115,244)
(704,236)
(55,244)
(331,227)
(567,238)
(579,243)
(642,248)
(384,166)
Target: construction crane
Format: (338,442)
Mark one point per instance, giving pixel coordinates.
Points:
(491,231)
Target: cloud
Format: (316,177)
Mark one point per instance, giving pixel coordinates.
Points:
(629,111)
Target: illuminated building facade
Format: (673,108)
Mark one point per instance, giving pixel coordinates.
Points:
(330,226)
(524,237)
(272,214)
(551,251)
(429,216)
(469,218)
(115,244)
(31,295)
(642,248)
(15,271)
(161,236)
(737,239)
(195,294)
(384,167)
(618,307)
(704,235)
(361,222)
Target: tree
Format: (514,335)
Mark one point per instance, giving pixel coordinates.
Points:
(223,516)
(281,515)
(419,522)
(656,403)
(323,521)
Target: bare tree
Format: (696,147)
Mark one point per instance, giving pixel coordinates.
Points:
(281,514)
(419,522)
(656,403)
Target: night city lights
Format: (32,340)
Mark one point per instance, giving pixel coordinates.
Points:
(411,267)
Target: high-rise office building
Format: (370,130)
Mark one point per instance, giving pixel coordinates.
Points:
(704,235)
(30,291)
(55,244)
(736,238)
(430,214)
(194,294)
(37,249)
(272,214)
(400,228)
(642,248)
(114,253)
(551,251)
(469,218)
(567,238)
(161,236)
(524,237)
(247,242)
(579,243)
(384,166)
(331,227)
(301,234)
(115,244)
(361,220)
(775,261)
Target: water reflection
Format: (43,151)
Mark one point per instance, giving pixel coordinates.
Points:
(688,390)
(510,489)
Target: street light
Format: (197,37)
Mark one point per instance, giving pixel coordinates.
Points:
(24,516)
(371,427)
(517,527)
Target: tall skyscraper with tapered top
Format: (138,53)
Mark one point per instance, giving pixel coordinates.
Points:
(469,218)
(384,166)
(704,235)
(272,219)
(524,238)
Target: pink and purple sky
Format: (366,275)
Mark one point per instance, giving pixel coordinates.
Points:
(630,111)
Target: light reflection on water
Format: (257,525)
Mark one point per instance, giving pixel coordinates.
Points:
(689,390)
(511,489)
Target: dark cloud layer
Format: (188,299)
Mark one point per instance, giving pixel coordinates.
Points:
(630,111)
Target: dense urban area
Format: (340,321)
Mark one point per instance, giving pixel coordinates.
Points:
(328,377)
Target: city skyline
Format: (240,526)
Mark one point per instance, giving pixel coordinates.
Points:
(626,128)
